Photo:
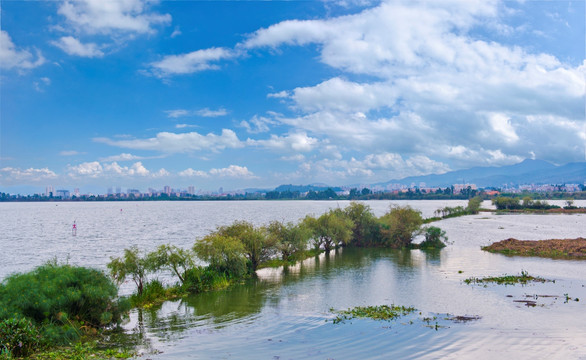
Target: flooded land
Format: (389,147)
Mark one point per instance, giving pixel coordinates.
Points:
(289,313)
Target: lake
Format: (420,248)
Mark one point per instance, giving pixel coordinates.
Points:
(285,313)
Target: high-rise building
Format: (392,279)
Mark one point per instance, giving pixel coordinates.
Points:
(49,191)
(191,190)
(167,189)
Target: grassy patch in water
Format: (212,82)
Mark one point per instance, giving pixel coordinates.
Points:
(523,279)
(380,312)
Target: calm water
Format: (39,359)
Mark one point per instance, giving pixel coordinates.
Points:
(285,314)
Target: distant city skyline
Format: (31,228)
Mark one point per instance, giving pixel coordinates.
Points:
(242,95)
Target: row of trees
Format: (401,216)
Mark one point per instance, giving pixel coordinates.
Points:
(236,251)
(512,203)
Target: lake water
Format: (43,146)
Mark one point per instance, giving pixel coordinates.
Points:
(285,314)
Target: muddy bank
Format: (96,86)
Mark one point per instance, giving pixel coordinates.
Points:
(555,248)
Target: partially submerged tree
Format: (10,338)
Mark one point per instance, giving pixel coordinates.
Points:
(258,247)
(399,225)
(172,258)
(289,238)
(225,254)
(365,227)
(132,265)
(330,229)
(435,238)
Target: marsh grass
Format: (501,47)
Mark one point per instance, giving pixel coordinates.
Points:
(522,279)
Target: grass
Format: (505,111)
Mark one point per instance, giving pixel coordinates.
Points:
(81,351)
(523,279)
(381,312)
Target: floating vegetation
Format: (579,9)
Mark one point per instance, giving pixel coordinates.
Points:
(381,312)
(522,279)
(463,318)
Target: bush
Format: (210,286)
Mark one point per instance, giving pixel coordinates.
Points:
(365,229)
(399,226)
(434,238)
(18,337)
(60,299)
(225,254)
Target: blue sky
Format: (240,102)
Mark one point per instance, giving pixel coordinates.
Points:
(136,94)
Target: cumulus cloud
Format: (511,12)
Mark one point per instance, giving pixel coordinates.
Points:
(233,171)
(297,142)
(73,46)
(105,17)
(13,58)
(95,169)
(193,173)
(189,63)
(167,142)
(11,174)
(432,85)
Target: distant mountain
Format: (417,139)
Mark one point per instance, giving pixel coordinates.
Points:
(526,172)
(306,188)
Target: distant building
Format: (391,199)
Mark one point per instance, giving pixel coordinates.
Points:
(167,190)
(49,191)
(191,190)
(64,194)
(76,192)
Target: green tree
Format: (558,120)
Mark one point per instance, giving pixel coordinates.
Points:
(289,238)
(172,258)
(474,205)
(225,254)
(399,225)
(435,238)
(365,229)
(258,247)
(330,229)
(506,203)
(132,265)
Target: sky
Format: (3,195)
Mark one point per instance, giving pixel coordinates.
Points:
(254,94)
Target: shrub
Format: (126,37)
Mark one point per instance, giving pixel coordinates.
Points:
(170,257)
(258,247)
(399,225)
(18,337)
(61,298)
(434,238)
(330,230)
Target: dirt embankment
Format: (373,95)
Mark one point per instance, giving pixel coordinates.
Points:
(556,248)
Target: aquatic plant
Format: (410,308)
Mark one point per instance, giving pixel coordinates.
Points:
(435,238)
(523,279)
(380,312)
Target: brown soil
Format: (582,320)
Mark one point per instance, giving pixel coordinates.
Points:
(557,248)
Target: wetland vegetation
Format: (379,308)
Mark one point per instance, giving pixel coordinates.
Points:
(554,248)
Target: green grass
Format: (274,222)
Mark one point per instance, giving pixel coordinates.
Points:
(523,279)
(381,312)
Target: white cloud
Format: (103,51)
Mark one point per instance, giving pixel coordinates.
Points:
(233,171)
(69,153)
(96,169)
(193,173)
(257,124)
(190,63)
(10,174)
(41,84)
(13,58)
(184,126)
(177,113)
(205,112)
(298,142)
(105,17)
(73,46)
(435,82)
(167,142)
(176,32)
(121,157)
